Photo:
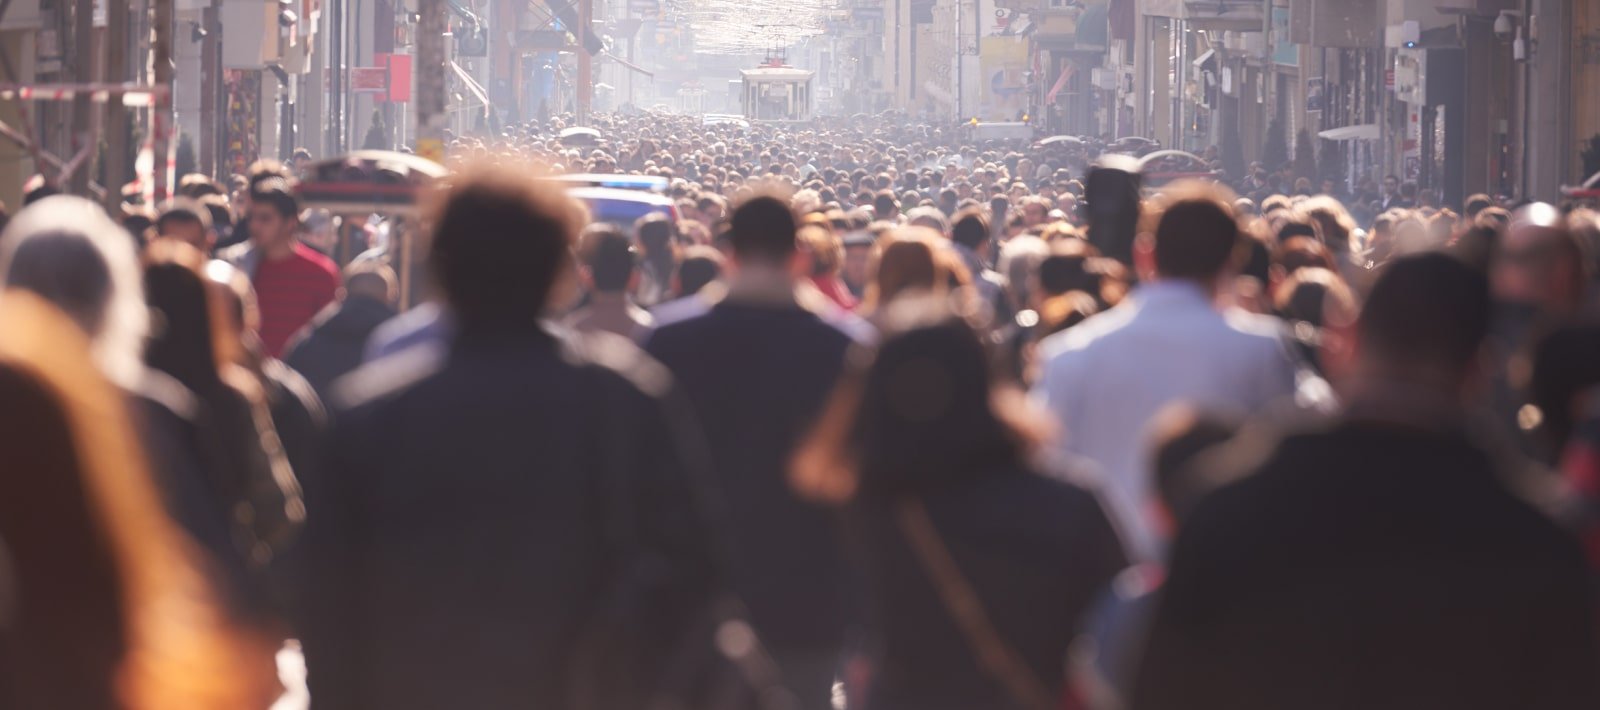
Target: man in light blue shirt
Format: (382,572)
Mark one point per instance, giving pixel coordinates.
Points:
(1169,342)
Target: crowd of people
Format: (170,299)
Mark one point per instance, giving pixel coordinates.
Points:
(874,418)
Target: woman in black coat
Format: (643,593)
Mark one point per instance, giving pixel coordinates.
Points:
(978,565)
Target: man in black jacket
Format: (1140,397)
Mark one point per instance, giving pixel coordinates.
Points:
(1380,561)
(333,344)
(758,366)
(510,523)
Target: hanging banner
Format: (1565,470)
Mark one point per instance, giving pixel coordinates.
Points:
(1003,94)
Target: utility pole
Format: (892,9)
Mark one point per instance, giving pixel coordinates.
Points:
(161,107)
(430,80)
(210,90)
(83,72)
(336,77)
(585,61)
(117,128)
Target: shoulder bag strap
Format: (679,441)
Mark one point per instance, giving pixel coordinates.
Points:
(994,656)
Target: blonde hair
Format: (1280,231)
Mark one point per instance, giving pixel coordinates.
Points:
(908,260)
(181,649)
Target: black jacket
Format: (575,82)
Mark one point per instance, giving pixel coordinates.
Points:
(758,375)
(334,343)
(1036,551)
(459,540)
(1371,566)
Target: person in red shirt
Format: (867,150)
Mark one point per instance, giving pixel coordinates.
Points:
(292,281)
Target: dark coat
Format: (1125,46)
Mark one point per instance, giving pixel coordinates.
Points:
(459,540)
(1373,566)
(758,375)
(1037,551)
(332,345)
(165,416)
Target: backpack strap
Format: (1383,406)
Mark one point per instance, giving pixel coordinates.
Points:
(995,657)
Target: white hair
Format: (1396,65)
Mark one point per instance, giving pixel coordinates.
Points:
(66,250)
(1019,261)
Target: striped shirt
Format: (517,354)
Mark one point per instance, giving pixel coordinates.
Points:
(291,291)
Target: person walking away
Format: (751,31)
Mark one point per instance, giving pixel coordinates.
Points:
(702,268)
(757,366)
(107,606)
(292,281)
(609,272)
(188,222)
(333,344)
(979,566)
(486,509)
(1106,378)
(1539,277)
(1379,559)
(657,237)
(67,251)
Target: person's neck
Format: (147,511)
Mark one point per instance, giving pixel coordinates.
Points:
(280,250)
(1422,397)
(1207,287)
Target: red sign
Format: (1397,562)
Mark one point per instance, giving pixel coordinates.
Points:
(369,80)
(399,77)
(1388,79)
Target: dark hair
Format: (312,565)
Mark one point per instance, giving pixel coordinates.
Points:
(1257,260)
(1429,310)
(609,255)
(221,216)
(1062,273)
(655,234)
(500,239)
(275,192)
(1196,236)
(1476,203)
(701,266)
(197,185)
(763,228)
(885,202)
(1181,435)
(183,211)
(1297,226)
(926,416)
(182,346)
(970,229)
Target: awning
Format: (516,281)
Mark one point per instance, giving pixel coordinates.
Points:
(472,84)
(1363,132)
(630,65)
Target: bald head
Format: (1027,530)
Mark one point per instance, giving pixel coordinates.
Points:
(1540,262)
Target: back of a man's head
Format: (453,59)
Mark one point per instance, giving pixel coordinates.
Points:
(701,266)
(885,204)
(1475,204)
(1196,236)
(608,255)
(500,241)
(971,229)
(370,280)
(1426,313)
(655,232)
(278,193)
(763,230)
